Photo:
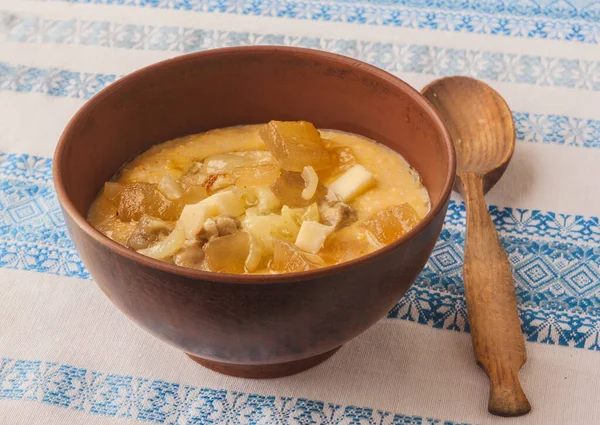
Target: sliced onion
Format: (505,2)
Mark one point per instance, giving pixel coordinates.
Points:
(224,163)
(249,197)
(311,180)
(168,246)
(254,256)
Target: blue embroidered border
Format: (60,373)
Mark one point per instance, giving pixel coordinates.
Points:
(162,402)
(521,18)
(562,130)
(30,29)
(393,57)
(556,259)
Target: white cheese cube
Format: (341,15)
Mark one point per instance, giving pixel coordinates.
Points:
(193,216)
(352,183)
(312,236)
(228,202)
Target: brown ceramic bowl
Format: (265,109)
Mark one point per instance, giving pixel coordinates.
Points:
(244,325)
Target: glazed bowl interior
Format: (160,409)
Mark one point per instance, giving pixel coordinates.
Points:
(237,86)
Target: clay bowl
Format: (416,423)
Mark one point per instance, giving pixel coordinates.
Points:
(251,326)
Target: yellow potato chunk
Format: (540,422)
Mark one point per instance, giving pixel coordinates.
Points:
(138,199)
(103,214)
(295,145)
(343,159)
(170,187)
(119,231)
(346,244)
(391,223)
(112,191)
(287,258)
(192,194)
(255,175)
(228,254)
(289,187)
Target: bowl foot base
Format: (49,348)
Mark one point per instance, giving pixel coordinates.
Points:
(266,371)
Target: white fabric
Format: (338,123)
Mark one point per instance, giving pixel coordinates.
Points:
(63,345)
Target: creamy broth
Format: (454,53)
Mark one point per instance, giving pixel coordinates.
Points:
(246,200)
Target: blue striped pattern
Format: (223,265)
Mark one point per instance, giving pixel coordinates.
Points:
(555,9)
(52,81)
(393,57)
(161,402)
(31,29)
(517,18)
(555,257)
(559,129)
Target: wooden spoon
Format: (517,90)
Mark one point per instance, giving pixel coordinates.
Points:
(483,131)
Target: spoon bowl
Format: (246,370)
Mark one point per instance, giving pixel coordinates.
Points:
(480,123)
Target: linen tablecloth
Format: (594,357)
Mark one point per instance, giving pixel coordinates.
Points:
(67,356)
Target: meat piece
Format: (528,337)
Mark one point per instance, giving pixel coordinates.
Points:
(337,214)
(147,231)
(191,255)
(219,226)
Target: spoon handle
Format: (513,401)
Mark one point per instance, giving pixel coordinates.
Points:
(492,305)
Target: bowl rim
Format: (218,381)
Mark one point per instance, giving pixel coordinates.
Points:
(81,220)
